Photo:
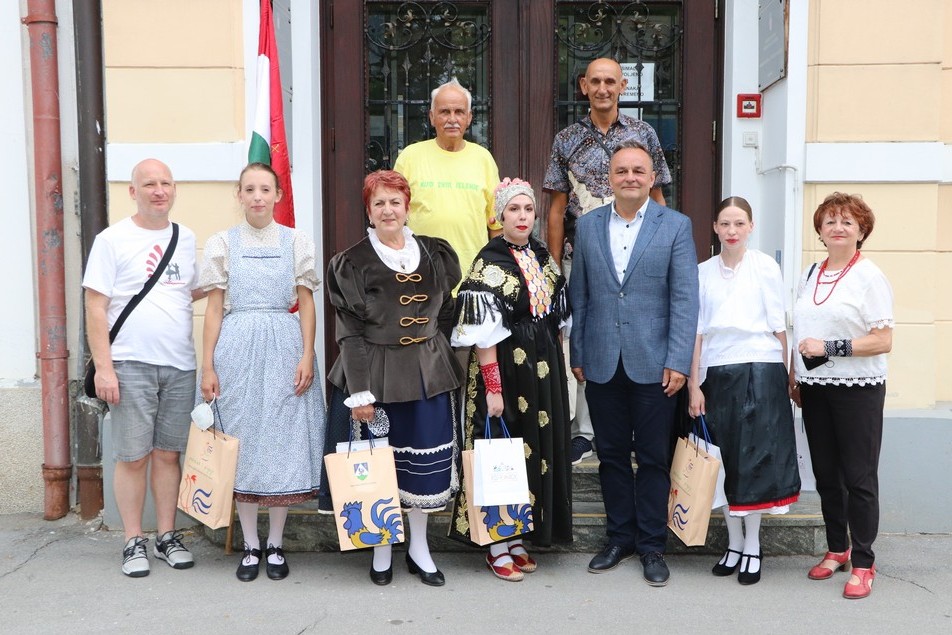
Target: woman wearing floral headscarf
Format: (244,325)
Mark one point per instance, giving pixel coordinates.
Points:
(510,307)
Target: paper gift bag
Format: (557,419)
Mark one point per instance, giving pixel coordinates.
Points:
(804,460)
(499,469)
(208,476)
(488,524)
(693,479)
(365,444)
(365,496)
(720,497)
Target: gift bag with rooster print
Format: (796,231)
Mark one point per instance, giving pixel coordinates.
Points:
(492,523)
(366,501)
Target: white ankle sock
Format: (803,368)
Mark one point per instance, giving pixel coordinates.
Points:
(277,517)
(752,540)
(383,557)
(419,549)
(735,537)
(248,519)
(500,554)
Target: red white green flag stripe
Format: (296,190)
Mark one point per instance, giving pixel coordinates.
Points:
(268,138)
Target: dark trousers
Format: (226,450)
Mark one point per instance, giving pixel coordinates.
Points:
(636,506)
(844,426)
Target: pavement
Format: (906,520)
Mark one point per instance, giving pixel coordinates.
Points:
(63,577)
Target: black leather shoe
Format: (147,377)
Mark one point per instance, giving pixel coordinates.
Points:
(381,578)
(609,558)
(744,576)
(432,579)
(721,569)
(656,571)
(248,572)
(277,571)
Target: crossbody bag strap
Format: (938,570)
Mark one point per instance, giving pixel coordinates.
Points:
(597,136)
(151,282)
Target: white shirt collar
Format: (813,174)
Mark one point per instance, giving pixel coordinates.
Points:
(638,215)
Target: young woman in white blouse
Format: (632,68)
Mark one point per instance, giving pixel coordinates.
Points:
(842,324)
(739,382)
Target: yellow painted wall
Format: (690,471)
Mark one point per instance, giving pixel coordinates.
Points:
(874,76)
(174,71)
(175,74)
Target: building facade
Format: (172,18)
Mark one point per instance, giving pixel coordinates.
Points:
(861,105)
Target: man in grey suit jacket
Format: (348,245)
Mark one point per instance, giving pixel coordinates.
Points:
(634,294)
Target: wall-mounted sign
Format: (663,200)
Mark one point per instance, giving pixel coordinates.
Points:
(748,106)
(772,42)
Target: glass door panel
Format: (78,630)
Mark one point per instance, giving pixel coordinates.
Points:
(411,48)
(645,38)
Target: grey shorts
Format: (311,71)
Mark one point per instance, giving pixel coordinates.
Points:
(154,409)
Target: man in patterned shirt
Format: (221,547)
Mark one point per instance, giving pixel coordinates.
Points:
(577,182)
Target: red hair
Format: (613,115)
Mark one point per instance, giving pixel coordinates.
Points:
(837,204)
(388,180)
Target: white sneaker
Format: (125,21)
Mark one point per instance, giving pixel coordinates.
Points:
(135,559)
(169,547)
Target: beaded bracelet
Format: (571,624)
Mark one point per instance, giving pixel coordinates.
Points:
(491,378)
(838,348)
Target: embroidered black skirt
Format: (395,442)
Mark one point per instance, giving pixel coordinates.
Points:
(751,420)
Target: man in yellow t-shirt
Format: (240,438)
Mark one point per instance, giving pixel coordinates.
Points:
(451,180)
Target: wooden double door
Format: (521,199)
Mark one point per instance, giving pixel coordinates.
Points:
(521,59)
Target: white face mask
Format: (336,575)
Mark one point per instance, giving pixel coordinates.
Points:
(202,416)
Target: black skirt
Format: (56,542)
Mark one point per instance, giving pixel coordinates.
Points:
(750,419)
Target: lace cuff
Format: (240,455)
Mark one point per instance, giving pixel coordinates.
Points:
(362,398)
(841,381)
(887,323)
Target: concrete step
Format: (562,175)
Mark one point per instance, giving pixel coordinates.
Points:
(798,533)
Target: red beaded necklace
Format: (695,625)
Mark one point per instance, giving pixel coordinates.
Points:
(842,273)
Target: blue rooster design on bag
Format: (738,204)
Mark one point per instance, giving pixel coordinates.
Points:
(521,521)
(388,521)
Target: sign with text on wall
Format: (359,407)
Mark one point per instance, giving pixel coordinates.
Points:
(636,90)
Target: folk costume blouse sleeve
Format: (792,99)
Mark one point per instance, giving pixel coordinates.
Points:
(493,296)
(346,290)
(446,266)
(305,272)
(214,272)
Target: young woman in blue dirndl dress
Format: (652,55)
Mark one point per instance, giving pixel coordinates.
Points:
(259,362)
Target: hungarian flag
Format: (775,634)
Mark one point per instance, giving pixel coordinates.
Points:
(269,143)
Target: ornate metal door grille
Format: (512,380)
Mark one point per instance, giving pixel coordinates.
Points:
(411,48)
(645,34)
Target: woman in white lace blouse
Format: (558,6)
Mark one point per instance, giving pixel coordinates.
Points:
(842,327)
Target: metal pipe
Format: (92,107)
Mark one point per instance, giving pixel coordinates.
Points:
(90,88)
(50,271)
(93,218)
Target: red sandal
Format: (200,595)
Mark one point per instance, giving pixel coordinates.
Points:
(842,560)
(522,560)
(508,572)
(862,588)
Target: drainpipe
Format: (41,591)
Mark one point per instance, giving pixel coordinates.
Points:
(93,218)
(50,270)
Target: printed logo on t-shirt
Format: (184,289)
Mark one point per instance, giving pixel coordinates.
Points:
(172,275)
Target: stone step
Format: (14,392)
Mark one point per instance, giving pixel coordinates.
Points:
(585,485)
(798,533)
